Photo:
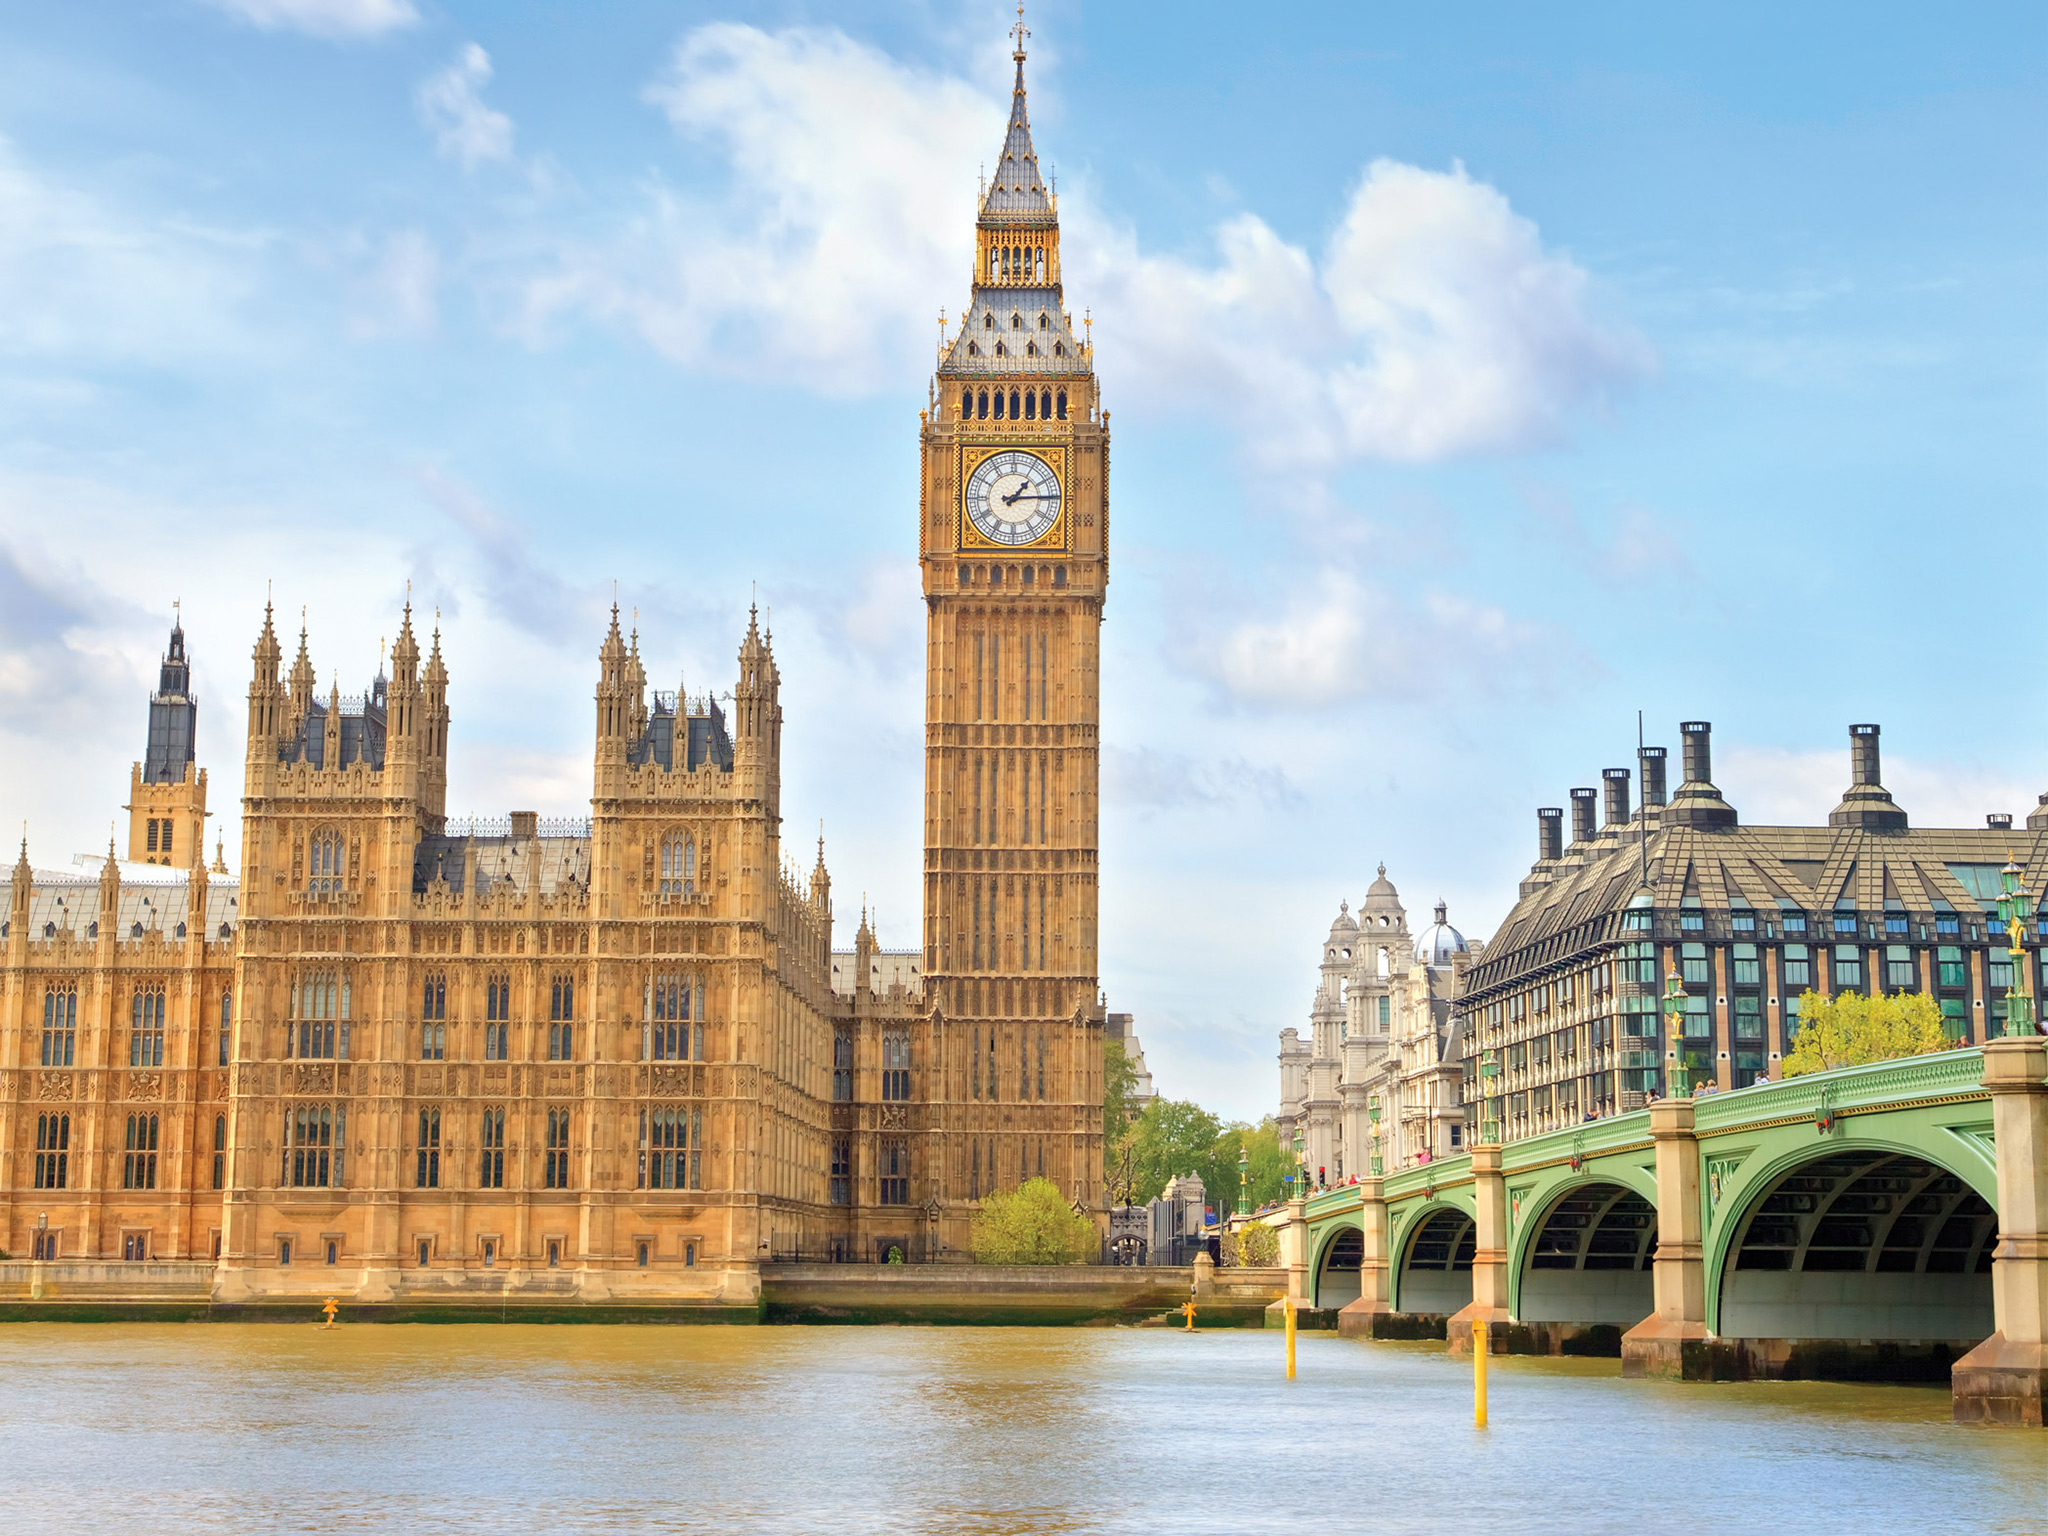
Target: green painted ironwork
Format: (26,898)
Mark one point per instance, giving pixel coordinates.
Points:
(1933,1107)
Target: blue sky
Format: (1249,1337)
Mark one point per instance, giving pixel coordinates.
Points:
(1477,377)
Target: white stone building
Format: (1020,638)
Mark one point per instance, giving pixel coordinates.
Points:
(1382,1041)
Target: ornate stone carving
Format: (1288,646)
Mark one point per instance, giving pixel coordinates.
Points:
(145,1085)
(494,1077)
(54,1085)
(893,1117)
(312,1077)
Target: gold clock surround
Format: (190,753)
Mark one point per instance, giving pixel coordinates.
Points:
(971,453)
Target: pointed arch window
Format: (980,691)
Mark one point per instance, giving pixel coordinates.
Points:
(1044,321)
(1060,405)
(138,1161)
(316,1027)
(555,1169)
(1016,321)
(1000,352)
(497,1018)
(999,393)
(1059,349)
(220,1151)
(326,864)
(53,1151)
(561,1016)
(981,409)
(678,865)
(60,1025)
(1040,264)
(967,395)
(491,1167)
(433,1017)
(973,350)
(988,321)
(146,1026)
(1030,350)
(672,1020)
(1013,405)
(312,1149)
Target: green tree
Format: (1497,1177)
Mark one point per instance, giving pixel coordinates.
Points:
(1119,1077)
(1270,1163)
(1032,1224)
(1256,1246)
(1849,1029)
(1172,1137)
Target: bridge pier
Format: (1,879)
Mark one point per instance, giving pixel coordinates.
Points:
(1361,1319)
(1673,1340)
(2004,1379)
(1489,1258)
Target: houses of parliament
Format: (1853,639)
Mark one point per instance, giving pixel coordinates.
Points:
(400,1055)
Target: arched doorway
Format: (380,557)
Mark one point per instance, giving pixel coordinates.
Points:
(1436,1265)
(1337,1276)
(1589,1261)
(1867,1245)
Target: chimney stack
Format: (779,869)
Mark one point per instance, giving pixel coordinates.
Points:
(1652,761)
(1998,821)
(1549,833)
(1583,815)
(1698,751)
(1698,803)
(1615,782)
(1866,803)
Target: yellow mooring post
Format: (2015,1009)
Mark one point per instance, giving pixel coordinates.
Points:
(1290,1338)
(330,1309)
(1187,1310)
(1479,1372)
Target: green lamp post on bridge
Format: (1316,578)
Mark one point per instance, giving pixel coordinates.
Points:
(1489,1083)
(1679,1081)
(1300,1164)
(2014,908)
(1244,1179)
(1372,1108)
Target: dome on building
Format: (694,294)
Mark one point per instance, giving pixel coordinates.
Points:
(1381,890)
(1346,923)
(1437,943)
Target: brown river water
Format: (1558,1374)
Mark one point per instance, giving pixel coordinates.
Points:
(271,1427)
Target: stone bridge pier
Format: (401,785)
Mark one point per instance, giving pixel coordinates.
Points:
(2003,1380)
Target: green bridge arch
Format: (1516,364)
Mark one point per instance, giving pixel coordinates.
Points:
(1932,1110)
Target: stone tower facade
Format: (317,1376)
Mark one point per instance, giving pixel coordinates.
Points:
(1014,553)
(167,788)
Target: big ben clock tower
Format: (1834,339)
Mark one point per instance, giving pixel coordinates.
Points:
(1014,549)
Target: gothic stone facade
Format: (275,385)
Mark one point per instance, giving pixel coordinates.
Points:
(605,1057)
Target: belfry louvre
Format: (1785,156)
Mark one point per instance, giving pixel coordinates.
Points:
(1567,1000)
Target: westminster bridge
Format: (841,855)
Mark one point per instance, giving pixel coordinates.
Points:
(1884,1221)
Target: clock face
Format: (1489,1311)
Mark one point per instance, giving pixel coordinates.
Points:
(1013,497)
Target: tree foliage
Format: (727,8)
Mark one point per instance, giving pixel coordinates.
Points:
(1032,1224)
(1174,1136)
(1256,1246)
(1849,1029)
(1119,1077)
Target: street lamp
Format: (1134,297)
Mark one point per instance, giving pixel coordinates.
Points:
(2013,911)
(1244,1179)
(1300,1165)
(1372,1108)
(1489,1083)
(1680,1083)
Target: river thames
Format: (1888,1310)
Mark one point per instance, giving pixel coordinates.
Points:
(481,1428)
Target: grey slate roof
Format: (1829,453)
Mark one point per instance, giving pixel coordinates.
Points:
(1017,191)
(562,861)
(1009,317)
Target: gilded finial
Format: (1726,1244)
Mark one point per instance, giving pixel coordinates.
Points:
(1020,32)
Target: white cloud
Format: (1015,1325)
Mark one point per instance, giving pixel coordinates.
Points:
(324,18)
(1436,324)
(1340,636)
(452,105)
(845,214)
